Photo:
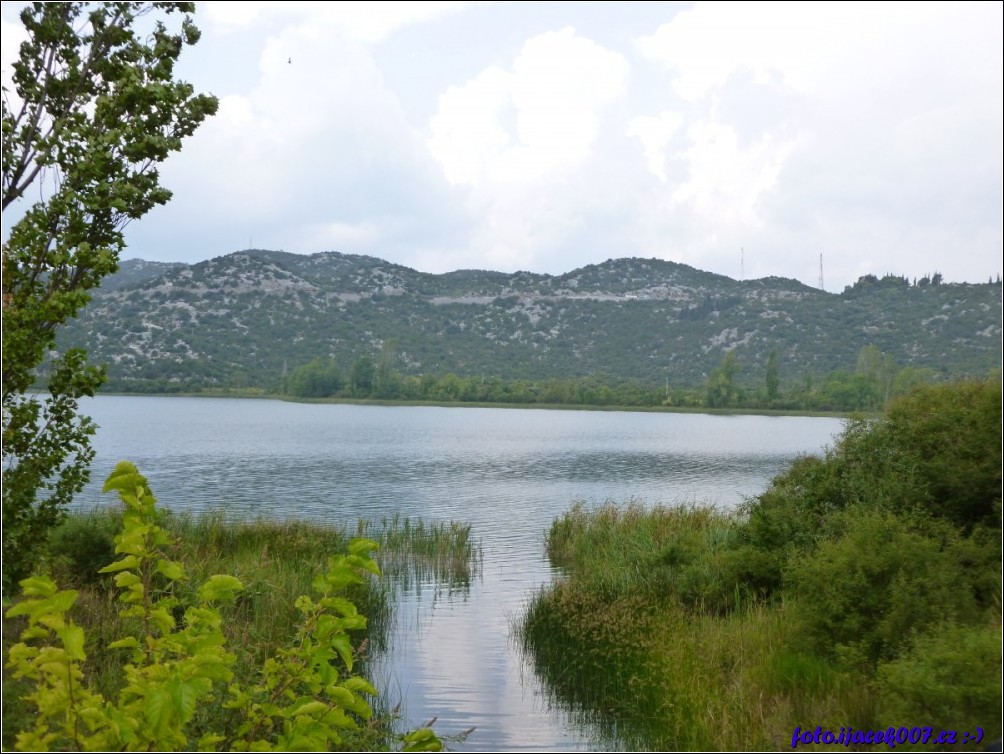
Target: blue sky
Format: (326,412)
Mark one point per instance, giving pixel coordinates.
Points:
(741,138)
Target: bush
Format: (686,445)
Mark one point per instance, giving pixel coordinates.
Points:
(862,594)
(950,678)
(82,545)
(937,453)
(950,438)
(305,697)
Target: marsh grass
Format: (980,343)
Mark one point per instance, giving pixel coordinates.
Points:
(650,639)
(686,551)
(277,561)
(413,552)
(654,638)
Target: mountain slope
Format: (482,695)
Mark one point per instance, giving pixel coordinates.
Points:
(247,317)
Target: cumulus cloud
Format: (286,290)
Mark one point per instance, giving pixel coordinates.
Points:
(317,155)
(514,138)
(869,125)
(655,132)
(522,124)
(546,137)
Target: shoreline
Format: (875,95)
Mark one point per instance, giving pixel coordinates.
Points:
(389,402)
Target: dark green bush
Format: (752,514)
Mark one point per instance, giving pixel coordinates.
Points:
(862,594)
(949,677)
(937,453)
(82,545)
(950,437)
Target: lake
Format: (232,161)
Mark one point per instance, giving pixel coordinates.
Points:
(508,472)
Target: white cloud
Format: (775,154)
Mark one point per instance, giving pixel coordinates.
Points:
(561,84)
(824,127)
(549,136)
(725,181)
(516,138)
(655,133)
(468,131)
(797,44)
(364,21)
(520,125)
(317,155)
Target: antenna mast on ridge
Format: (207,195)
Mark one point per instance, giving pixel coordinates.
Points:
(742,273)
(821,273)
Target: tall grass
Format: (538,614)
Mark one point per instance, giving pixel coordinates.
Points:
(687,551)
(627,642)
(654,639)
(413,552)
(277,561)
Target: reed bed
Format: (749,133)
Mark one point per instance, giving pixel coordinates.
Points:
(630,643)
(277,561)
(413,552)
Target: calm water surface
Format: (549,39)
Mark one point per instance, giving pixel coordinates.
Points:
(508,472)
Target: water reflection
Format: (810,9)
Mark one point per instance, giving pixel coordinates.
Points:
(506,472)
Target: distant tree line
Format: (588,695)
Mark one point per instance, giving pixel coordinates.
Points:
(874,381)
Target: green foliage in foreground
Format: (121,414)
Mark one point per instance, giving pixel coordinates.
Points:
(305,697)
(861,589)
(95,107)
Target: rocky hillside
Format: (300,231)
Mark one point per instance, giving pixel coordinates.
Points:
(247,317)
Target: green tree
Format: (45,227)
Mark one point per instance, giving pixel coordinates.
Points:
(722,390)
(386,379)
(773,378)
(94,108)
(877,370)
(362,376)
(319,378)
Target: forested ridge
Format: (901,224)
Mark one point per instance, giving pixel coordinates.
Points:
(251,318)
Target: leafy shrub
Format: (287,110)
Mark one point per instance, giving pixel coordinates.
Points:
(950,678)
(951,436)
(305,697)
(937,453)
(863,593)
(82,545)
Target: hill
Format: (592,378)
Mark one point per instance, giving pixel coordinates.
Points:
(246,318)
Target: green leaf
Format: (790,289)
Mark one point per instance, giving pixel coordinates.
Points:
(341,605)
(62,601)
(24,607)
(72,637)
(162,619)
(38,586)
(362,546)
(126,579)
(128,562)
(159,709)
(344,648)
(170,569)
(124,478)
(347,699)
(309,707)
(211,742)
(360,685)
(423,739)
(185,694)
(220,588)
